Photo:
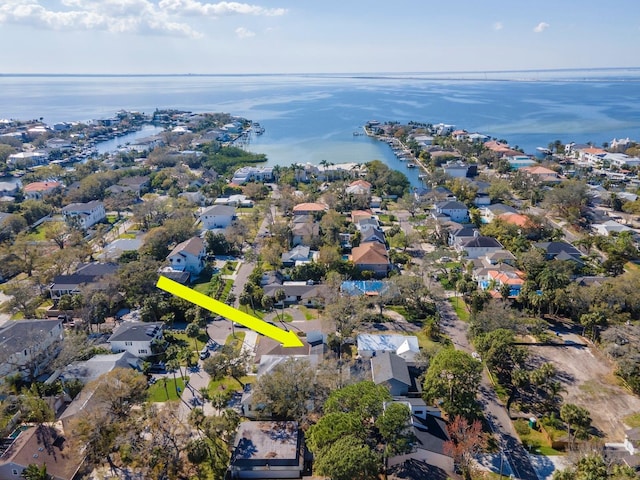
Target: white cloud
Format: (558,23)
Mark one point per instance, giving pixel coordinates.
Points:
(498,26)
(541,27)
(194,7)
(242,33)
(125,16)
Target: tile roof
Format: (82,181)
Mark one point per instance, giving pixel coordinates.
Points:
(370,253)
(309,207)
(41,186)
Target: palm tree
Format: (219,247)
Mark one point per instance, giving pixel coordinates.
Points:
(193,331)
(35,472)
(280,296)
(173,365)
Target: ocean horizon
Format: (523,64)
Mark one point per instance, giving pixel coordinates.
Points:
(312,117)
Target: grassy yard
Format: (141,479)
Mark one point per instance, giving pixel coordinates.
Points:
(533,440)
(247,309)
(182,338)
(228,383)
(633,421)
(130,236)
(157,392)
(229,268)
(37,234)
(202,286)
(308,313)
(236,341)
(460,308)
(228,285)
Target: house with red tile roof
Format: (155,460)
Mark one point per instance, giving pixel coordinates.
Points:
(39,190)
(542,174)
(358,187)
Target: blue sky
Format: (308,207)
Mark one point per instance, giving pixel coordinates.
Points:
(309,36)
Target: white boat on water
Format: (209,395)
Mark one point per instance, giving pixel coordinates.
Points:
(411,165)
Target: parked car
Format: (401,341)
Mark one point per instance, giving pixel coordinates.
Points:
(204,353)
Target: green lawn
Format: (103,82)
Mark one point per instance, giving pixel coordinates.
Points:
(228,285)
(533,440)
(460,307)
(202,286)
(228,383)
(229,268)
(236,341)
(131,236)
(157,392)
(308,314)
(633,421)
(37,234)
(191,342)
(247,309)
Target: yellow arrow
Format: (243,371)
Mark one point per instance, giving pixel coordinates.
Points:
(288,339)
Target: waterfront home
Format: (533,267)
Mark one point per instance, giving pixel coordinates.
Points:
(252,174)
(27,159)
(84,215)
(217,217)
(188,256)
(516,162)
(459,169)
(136,337)
(371,256)
(39,190)
(621,160)
(28,346)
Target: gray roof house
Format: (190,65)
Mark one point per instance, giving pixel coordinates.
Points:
(88,274)
(391,370)
(372,235)
(136,337)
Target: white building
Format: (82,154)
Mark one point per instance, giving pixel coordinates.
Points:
(456,211)
(252,174)
(135,338)
(84,215)
(405,346)
(27,159)
(188,256)
(217,216)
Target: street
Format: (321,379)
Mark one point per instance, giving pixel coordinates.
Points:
(495,413)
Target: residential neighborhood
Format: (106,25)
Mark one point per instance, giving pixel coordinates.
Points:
(486,323)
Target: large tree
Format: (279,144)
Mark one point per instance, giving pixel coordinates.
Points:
(467,440)
(289,390)
(349,458)
(453,377)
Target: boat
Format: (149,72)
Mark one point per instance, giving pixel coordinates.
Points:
(544,150)
(411,165)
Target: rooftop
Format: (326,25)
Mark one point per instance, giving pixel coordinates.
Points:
(262,442)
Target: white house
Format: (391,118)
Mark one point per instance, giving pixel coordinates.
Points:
(456,211)
(84,215)
(217,216)
(135,338)
(27,346)
(252,174)
(27,159)
(479,246)
(188,256)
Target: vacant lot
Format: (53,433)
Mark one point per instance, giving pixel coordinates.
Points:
(589,380)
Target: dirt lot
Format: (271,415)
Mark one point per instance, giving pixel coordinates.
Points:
(589,381)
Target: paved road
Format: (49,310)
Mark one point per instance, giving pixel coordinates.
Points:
(493,409)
